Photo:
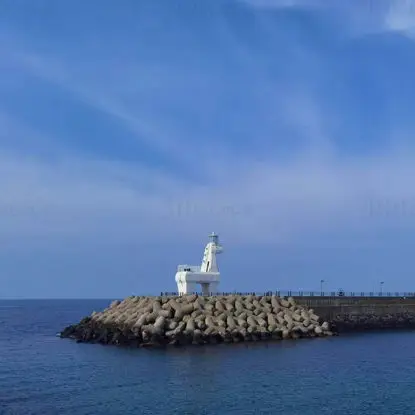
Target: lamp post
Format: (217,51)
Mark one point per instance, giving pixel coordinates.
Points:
(381,287)
(321,286)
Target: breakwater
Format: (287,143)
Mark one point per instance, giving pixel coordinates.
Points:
(362,313)
(192,319)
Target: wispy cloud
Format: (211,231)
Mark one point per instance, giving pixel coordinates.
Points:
(97,97)
(401,17)
(362,17)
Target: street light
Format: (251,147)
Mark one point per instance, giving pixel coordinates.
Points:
(321,286)
(381,287)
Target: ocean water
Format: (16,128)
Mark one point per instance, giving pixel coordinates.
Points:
(42,374)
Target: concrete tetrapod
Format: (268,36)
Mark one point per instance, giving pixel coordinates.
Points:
(192,319)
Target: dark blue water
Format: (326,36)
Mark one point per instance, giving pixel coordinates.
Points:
(42,374)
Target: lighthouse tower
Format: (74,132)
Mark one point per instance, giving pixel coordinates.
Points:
(207,276)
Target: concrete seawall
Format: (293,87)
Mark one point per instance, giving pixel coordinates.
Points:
(363,313)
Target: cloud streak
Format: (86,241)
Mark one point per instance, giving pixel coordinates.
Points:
(367,16)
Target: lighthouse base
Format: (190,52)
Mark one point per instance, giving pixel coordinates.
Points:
(189,282)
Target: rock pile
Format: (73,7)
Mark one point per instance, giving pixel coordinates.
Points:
(192,319)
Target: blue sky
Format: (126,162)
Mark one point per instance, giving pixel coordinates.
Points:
(130,131)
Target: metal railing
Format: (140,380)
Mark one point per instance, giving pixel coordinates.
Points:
(328,294)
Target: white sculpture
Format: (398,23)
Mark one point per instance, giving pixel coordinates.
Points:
(189,277)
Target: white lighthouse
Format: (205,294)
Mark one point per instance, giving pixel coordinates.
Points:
(189,277)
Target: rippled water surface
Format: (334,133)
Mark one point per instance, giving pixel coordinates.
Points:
(42,374)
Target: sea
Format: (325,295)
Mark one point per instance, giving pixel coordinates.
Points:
(40,373)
